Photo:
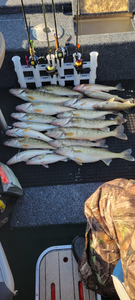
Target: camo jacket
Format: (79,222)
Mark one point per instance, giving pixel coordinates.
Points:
(110,236)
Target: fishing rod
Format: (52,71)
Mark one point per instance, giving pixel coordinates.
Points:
(78,61)
(33,58)
(60,51)
(51,69)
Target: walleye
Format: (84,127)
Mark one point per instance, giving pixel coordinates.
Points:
(103,95)
(86,134)
(27,133)
(97,87)
(42,108)
(27,143)
(59,90)
(84,114)
(68,142)
(84,103)
(37,96)
(46,159)
(99,123)
(32,117)
(114,105)
(88,155)
(25,155)
(34,126)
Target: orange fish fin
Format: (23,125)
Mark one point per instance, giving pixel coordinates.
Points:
(83,103)
(111,100)
(25,130)
(31,98)
(38,110)
(69,134)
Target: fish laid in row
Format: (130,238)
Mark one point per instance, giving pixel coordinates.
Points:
(25,155)
(27,143)
(97,87)
(83,143)
(34,126)
(114,105)
(37,96)
(83,103)
(89,155)
(86,134)
(59,90)
(85,114)
(83,123)
(36,118)
(27,133)
(46,159)
(42,108)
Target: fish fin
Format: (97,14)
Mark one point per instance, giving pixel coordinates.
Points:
(25,130)
(80,164)
(111,100)
(46,166)
(31,98)
(119,87)
(102,142)
(69,134)
(107,161)
(25,146)
(38,110)
(77,151)
(119,119)
(78,159)
(83,103)
(127,155)
(80,96)
(119,133)
(105,129)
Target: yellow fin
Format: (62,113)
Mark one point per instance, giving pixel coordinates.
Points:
(111,100)
(25,130)
(25,145)
(38,110)
(69,133)
(31,98)
(83,103)
(80,164)
(78,159)
(78,151)
(30,118)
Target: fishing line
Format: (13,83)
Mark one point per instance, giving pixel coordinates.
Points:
(27,30)
(77,26)
(57,42)
(44,14)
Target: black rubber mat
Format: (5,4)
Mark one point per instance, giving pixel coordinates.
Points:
(70,172)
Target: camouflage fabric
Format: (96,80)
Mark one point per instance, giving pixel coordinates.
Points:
(110,235)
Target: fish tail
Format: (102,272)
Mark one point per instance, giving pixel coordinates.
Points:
(120,120)
(119,87)
(119,133)
(101,143)
(127,155)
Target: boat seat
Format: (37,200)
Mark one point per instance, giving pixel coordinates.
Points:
(57,276)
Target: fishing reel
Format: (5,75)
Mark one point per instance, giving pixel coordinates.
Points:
(33,61)
(51,70)
(78,65)
(59,54)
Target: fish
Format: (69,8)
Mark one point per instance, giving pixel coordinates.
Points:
(34,126)
(10,183)
(84,103)
(25,155)
(103,95)
(42,108)
(89,155)
(97,87)
(27,143)
(84,114)
(59,90)
(33,117)
(46,159)
(114,105)
(27,133)
(37,96)
(83,123)
(70,142)
(86,134)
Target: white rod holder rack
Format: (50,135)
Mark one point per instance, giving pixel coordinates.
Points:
(61,79)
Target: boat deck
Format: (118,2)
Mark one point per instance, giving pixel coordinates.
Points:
(57,276)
